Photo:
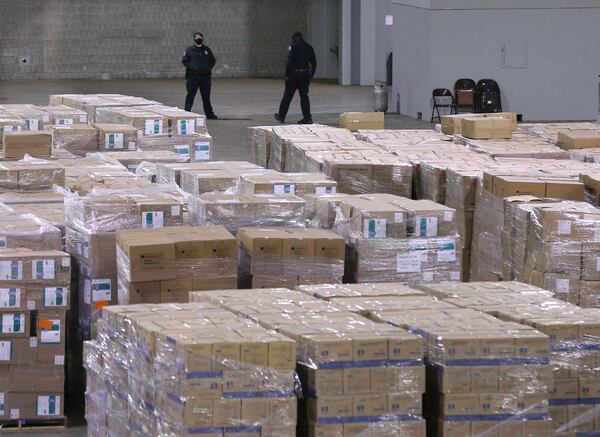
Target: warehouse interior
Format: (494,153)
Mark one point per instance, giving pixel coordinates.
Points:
(416,254)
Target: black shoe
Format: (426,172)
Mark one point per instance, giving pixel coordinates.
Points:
(279,118)
(307,120)
(212,117)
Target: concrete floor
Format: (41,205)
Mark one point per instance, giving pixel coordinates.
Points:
(239,102)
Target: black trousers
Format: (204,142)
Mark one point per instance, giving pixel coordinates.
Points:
(192,84)
(291,85)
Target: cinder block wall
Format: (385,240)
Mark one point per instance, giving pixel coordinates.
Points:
(110,39)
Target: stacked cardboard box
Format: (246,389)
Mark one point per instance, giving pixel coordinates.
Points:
(61,115)
(133,159)
(521,145)
(180,122)
(394,239)
(90,103)
(550,131)
(165,264)
(296,151)
(27,230)
(321,209)
(145,121)
(18,144)
(273,182)
(35,118)
(359,377)
(34,299)
(77,138)
(483,374)
(574,344)
(189,369)
(217,176)
(116,137)
(259,143)
(11,123)
(235,211)
(355,121)
(453,124)
(197,147)
(283,135)
(280,257)
(91,223)
(171,173)
(52,212)
(339,293)
(31,175)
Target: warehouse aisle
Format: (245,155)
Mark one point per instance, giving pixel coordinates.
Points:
(239,102)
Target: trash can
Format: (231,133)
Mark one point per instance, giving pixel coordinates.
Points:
(380,97)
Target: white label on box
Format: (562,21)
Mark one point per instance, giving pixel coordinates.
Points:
(132,145)
(562,285)
(11,270)
(153,127)
(13,323)
(1,403)
(51,334)
(55,297)
(202,151)
(598,264)
(43,269)
(176,211)
(200,122)
(83,118)
(9,128)
(48,405)
(5,350)
(325,190)
(427,276)
(101,290)
(87,292)
(86,251)
(186,127)
(10,297)
(454,276)
(564,227)
(46,118)
(398,217)
(33,124)
(59,360)
(182,149)
(426,226)
(448,216)
(14,413)
(389,20)
(31,305)
(446,252)
(3,242)
(375,228)
(152,219)
(284,189)
(408,262)
(66,262)
(64,121)
(114,140)
(32,341)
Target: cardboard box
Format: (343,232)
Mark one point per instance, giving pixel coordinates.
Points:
(452,124)
(117,136)
(19,144)
(578,139)
(145,256)
(78,139)
(487,128)
(139,292)
(35,405)
(355,121)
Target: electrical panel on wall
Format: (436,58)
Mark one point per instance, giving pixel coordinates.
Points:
(515,54)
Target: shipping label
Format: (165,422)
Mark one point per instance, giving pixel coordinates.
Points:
(48,405)
(13,323)
(33,124)
(152,219)
(325,190)
(408,262)
(5,350)
(49,331)
(375,228)
(186,127)
(43,269)
(11,270)
(64,121)
(426,226)
(114,140)
(10,297)
(446,252)
(201,151)
(54,297)
(182,149)
(153,127)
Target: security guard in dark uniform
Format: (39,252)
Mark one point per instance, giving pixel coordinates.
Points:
(299,70)
(199,61)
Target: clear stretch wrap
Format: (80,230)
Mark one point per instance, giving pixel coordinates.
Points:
(336,292)
(186,369)
(394,239)
(147,122)
(164,265)
(179,122)
(259,144)
(283,135)
(484,375)
(295,154)
(278,257)
(359,377)
(132,159)
(400,136)
(321,209)
(28,231)
(273,182)
(78,139)
(196,147)
(171,173)
(61,115)
(116,137)
(35,119)
(31,174)
(219,176)
(574,344)
(235,210)
(549,131)
(521,145)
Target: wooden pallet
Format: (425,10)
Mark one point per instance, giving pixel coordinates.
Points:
(32,424)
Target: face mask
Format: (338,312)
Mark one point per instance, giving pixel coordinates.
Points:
(198,40)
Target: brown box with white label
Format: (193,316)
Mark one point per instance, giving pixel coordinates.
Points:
(116,137)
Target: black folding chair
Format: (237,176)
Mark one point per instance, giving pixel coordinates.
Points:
(442,98)
(464,94)
(487,96)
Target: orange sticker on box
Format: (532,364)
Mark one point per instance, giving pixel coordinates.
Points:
(45,324)
(101,304)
